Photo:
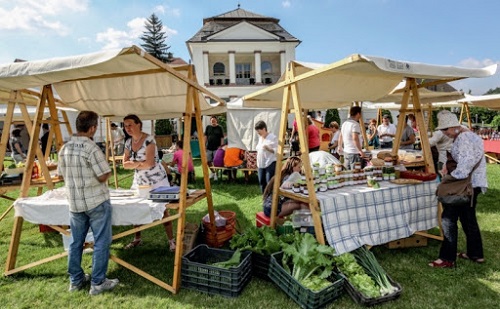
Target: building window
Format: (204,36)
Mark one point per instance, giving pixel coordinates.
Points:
(266,67)
(219,68)
(243,70)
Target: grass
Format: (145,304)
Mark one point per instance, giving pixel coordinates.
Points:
(468,286)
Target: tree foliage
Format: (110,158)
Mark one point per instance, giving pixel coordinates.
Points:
(154,39)
(332,115)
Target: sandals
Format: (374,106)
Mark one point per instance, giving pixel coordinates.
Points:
(172,245)
(134,243)
(442,264)
(464,256)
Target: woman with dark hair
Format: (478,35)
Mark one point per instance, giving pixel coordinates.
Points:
(18,151)
(266,154)
(286,206)
(140,154)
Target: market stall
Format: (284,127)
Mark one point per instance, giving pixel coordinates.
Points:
(116,83)
(354,79)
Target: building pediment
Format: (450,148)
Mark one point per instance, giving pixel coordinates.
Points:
(243,31)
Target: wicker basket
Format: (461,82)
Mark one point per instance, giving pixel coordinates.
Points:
(222,233)
(190,234)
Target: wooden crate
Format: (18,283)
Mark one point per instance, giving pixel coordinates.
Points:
(412,241)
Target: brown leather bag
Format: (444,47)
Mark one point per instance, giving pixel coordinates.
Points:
(452,191)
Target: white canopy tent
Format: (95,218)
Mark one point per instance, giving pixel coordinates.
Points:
(491,101)
(113,84)
(356,78)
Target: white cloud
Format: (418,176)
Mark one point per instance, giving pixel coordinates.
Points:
(113,38)
(159,9)
(286,4)
(162,9)
(477,63)
(36,16)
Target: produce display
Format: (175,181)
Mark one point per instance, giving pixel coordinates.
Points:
(234,261)
(363,271)
(311,263)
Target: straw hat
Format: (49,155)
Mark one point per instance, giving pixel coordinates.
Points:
(447,119)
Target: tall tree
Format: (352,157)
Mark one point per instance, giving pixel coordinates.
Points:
(154,39)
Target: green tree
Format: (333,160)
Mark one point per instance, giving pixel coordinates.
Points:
(332,115)
(154,39)
(493,91)
(163,127)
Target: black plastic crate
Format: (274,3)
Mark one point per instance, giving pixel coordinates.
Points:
(260,265)
(359,298)
(198,274)
(301,295)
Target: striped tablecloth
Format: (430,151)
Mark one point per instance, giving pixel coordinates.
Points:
(358,215)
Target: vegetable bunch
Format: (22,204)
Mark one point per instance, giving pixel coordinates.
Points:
(370,264)
(263,240)
(356,275)
(312,262)
(234,261)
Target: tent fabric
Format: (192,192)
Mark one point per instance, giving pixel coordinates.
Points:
(356,78)
(491,101)
(241,121)
(112,83)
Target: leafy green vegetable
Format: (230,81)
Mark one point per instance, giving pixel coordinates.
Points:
(315,283)
(234,261)
(370,264)
(263,240)
(356,275)
(309,258)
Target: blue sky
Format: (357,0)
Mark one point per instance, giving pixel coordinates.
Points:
(444,32)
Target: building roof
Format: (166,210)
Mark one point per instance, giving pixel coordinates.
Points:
(215,24)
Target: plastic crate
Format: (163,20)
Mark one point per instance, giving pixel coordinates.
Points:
(260,265)
(362,300)
(197,273)
(301,295)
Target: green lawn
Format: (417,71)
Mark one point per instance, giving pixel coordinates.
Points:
(468,286)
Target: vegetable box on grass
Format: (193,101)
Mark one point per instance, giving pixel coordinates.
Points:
(216,271)
(305,271)
(366,281)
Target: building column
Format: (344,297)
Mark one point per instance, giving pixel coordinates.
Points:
(232,68)
(282,62)
(258,67)
(206,69)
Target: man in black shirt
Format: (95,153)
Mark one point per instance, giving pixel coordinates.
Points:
(214,138)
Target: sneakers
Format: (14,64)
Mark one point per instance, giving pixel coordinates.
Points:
(106,285)
(78,287)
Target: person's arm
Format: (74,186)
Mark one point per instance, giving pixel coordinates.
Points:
(340,143)
(410,141)
(150,158)
(104,177)
(355,137)
(19,150)
(127,163)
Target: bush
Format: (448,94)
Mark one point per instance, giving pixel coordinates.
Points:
(163,127)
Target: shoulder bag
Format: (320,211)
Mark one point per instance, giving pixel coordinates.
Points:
(456,191)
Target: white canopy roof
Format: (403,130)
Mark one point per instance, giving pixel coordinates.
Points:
(356,78)
(491,101)
(112,83)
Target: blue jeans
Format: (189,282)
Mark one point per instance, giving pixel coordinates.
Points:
(467,215)
(265,174)
(99,221)
(350,159)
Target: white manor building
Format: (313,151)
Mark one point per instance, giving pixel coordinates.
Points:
(240,52)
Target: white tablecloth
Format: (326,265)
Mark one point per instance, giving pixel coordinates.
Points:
(51,208)
(358,215)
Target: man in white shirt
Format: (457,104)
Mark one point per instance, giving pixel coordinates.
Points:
(351,131)
(118,139)
(386,132)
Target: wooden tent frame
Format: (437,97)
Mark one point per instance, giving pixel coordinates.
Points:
(291,92)
(192,108)
(33,127)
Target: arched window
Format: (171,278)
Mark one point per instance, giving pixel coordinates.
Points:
(266,67)
(219,68)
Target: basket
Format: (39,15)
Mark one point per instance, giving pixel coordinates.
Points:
(190,234)
(222,233)
(197,273)
(362,300)
(301,295)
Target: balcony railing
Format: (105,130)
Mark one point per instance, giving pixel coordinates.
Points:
(217,81)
